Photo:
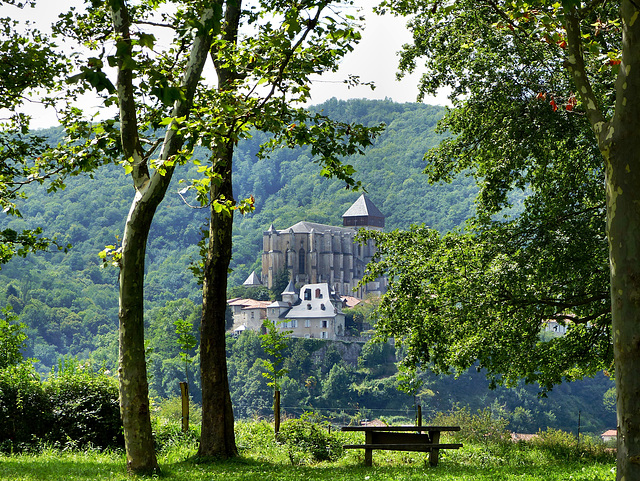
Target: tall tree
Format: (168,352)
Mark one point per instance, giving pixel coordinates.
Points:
(263,77)
(165,109)
(546,100)
(154,92)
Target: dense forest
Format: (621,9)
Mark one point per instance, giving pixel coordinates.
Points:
(68,300)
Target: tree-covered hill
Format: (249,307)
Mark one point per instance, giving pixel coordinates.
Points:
(69,301)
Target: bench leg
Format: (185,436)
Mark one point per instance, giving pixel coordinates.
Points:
(368,452)
(433,455)
(368,457)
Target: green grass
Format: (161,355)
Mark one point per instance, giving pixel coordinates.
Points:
(262,459)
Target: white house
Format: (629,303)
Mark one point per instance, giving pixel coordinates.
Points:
(316,312)
(610,435)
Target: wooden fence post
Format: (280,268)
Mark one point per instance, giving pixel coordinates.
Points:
(276,411)
(184,392)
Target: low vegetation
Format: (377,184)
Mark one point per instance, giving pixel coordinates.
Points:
(310,449)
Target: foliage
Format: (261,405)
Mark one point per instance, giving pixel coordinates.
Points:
(562,445)
(280,283)
(12,339)
(85,407)
(521,128)
(170,410)
(274,342)
(73,408)
(481,426)
(306,441)
(439,307)
(25,408)
(187,342)
(259,293)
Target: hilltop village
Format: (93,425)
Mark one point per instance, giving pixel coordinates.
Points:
(324,265)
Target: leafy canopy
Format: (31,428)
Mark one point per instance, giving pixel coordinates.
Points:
(536,250)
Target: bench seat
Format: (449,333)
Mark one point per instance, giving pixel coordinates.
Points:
(404,447)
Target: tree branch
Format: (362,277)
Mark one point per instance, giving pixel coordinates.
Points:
(576,67)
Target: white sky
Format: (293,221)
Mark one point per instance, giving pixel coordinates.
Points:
(373,59)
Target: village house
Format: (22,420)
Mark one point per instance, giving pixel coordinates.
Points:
(314,313)
(247,314)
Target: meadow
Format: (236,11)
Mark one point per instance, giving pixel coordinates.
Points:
(554,455)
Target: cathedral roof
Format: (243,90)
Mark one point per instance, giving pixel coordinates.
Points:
(363,207)
(307,227)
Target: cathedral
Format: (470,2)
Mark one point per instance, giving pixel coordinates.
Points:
(317,253)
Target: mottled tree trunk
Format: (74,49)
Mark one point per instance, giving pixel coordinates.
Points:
(621,149)
(623,199)
(619,143)
(132,370)
(150,190)
(217,437)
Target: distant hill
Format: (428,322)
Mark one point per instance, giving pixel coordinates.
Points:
(69,302)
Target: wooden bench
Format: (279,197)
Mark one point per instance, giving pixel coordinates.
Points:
(402,438)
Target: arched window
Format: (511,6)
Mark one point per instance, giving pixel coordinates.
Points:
(301,256)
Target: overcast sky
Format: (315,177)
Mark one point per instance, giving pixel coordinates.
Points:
(374,59)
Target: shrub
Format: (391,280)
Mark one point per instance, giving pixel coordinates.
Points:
(171,409)
(85,407)
(25,410)
(168,434)
(481,426)
(305,439)
(565,446)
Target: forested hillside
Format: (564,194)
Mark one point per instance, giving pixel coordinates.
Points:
(68,300)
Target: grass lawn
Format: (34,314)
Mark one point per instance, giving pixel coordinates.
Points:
(264,460)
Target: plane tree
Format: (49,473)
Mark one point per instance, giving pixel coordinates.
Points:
(147,59)
(545,115)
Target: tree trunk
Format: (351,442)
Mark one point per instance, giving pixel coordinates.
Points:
(217,437)
(150,190)
(623,216)
(620,147)
(622,156)
(132,370)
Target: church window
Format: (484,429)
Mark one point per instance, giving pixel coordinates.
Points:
(301,261)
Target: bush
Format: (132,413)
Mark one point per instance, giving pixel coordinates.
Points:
(481,426)
(171,409)
(305,439)
(168,434)
(25,410)
(565,446)
(84,407)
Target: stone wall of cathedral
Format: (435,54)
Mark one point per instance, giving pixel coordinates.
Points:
(318,256)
